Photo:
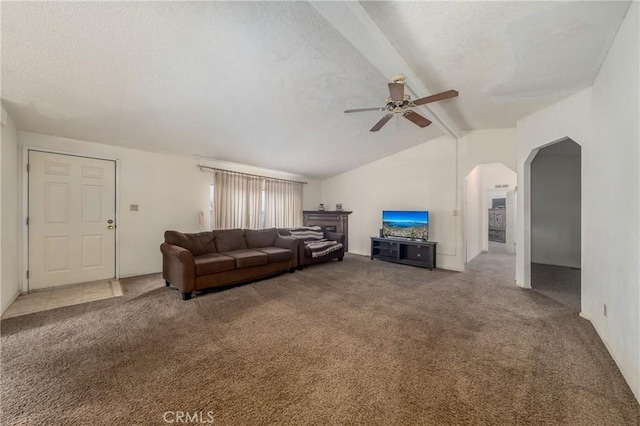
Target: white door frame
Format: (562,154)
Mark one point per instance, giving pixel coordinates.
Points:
(24,288)
(465,225)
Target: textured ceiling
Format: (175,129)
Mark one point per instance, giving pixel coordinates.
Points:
(265,84)
(507,59)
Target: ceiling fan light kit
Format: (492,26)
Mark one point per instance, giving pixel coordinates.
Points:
(400,103)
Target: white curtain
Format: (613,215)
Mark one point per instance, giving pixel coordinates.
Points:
(283,204)
(237,201)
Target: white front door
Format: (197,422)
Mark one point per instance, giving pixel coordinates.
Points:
(71,219)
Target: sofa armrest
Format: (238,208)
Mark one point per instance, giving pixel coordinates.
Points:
(289,243)
(334,236)
(178,267)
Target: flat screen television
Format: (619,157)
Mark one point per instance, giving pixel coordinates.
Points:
(406,224)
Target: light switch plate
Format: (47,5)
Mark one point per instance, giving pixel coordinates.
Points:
(133,207)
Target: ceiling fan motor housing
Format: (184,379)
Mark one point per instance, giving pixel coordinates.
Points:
(398,107)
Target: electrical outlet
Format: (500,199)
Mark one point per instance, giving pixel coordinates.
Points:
(605,309)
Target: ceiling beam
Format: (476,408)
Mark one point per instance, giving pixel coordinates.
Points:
(355,24)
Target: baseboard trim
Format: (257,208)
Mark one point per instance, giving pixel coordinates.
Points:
(13,299)
(625,374)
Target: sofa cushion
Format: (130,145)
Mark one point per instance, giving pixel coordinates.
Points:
(276,254)
(229,240)
(260,237)
(213,262)
(246,258)
(198,244)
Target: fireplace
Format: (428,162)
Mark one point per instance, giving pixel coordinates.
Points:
(334,221)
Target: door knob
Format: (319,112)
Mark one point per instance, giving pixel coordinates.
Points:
(110,221)
(110,227)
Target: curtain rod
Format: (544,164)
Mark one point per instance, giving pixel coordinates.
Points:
(200,166)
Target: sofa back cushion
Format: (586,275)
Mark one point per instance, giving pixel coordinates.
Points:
(198,244)
(229,240)
(284,232)
(260,237)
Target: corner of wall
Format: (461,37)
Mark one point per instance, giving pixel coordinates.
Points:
(9,208)
(5,117)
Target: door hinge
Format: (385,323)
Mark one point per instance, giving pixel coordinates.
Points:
(27,167)
(27,220)
(27,274)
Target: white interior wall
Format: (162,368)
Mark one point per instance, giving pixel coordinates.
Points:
(555,205)
(612,189)
(426,177)
(603,119)
(473,213)
(568,118)
(9,268)
(3,123)
(169,190)
(420,178)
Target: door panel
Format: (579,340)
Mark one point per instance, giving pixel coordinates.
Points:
(91,203)
(56,254)
(71,200)
(56,202)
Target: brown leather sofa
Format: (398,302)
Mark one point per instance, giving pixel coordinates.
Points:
(198,261)
(304,254)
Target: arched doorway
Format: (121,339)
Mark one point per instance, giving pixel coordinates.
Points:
(489,192)
(555,222)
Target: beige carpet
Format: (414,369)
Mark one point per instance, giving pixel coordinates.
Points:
(356,342)
(559,283)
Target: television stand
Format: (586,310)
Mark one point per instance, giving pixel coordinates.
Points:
(407,252)
(404,239)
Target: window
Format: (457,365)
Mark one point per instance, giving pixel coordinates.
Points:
(249,201)
(262,207)
(211,206)
(263,199)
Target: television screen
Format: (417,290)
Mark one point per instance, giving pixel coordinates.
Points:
(406,224)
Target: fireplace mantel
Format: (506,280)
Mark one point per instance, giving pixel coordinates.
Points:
(336,220)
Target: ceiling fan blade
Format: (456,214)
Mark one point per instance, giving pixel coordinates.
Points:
(396,90)
(364,109)
(381,123)
(437,97)
(416,118)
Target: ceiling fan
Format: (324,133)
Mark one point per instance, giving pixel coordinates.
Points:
(400,103)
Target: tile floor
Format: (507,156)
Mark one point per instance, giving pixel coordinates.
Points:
(63,296)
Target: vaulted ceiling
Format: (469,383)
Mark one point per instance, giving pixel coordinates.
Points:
(266,83)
